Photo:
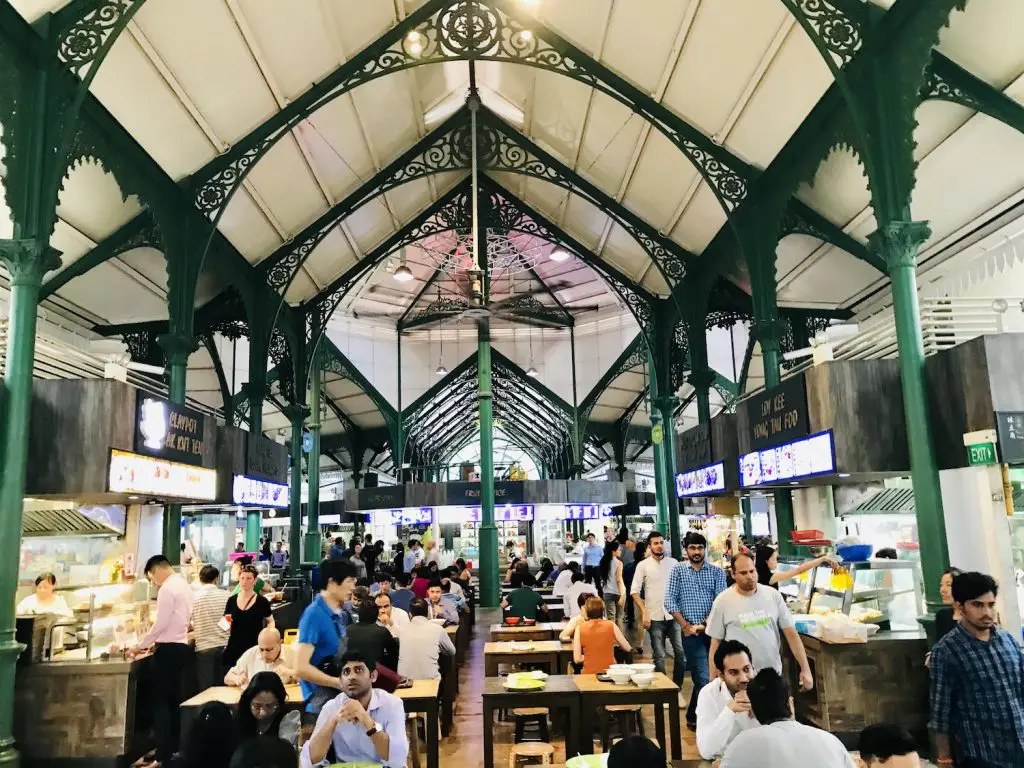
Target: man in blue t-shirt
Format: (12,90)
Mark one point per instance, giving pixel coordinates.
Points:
(322,627)
(592,555)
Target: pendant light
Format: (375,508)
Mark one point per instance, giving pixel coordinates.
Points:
(403,274)
(531,371)
(441,370)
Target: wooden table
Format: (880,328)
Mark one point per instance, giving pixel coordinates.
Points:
(540,631)
(230,695)
(559,692)
(422,697)
(539,652)
(594,694)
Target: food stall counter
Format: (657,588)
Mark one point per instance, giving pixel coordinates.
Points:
(863,683)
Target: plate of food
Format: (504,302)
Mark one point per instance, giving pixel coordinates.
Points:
(524,681)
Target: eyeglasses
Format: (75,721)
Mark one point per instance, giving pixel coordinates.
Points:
(264,709)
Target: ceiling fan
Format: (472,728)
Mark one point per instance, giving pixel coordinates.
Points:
(822,342)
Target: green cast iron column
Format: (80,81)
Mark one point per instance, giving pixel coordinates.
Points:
(488,530)
(253,518)
(312,548)
(748,518)
(177,348)
(897,243)
(26,261)
(297,415)
(660,493)
(666,407)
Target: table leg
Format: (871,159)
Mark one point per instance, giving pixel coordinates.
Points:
(673,726)
(659,724)
(585,729)
(433,748)
(488,715)
(490,666)
(572,728)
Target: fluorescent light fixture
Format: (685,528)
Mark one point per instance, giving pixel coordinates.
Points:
(559,255)
(403,274)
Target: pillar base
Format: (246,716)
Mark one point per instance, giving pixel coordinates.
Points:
(9,653)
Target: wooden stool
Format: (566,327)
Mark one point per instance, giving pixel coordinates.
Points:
(412,727)
(529,750)
(524,716)
(624,715)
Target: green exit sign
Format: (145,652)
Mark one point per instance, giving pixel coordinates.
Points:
(982,453)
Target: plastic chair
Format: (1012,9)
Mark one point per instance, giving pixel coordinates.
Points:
(291,636)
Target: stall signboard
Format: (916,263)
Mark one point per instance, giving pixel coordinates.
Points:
(582,512)
(697,482)
(779,414)
(421,516)
(382,497)
(510,513)
(814,455)
(252,492)
(505,492)
(265,459)
(168,431)
(144,475)
(693,448)
(1010,429)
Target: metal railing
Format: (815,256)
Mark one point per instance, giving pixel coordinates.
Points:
(945,323)
(62,355)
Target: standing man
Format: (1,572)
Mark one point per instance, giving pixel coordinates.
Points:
(364,724)
(977,690)
(692,589)
(321,630)
(279,558)
(592,555)
(210,637)
(753,614)
(412,557)
(650,578)
(169,640)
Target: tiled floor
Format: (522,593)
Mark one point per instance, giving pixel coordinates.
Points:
(464,746)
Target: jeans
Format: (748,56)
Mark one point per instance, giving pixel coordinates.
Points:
(593,576)
(696,648)
(658,630)
(612,612)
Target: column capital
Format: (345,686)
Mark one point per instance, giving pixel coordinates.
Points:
(701,378)
(28,260)
(897,242)
(666,403)
(769,331)
(177,346)
(295,412)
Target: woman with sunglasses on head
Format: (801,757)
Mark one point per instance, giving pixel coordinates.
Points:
(261,710)
(247,613)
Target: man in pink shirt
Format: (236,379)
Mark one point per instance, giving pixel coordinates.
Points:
(169,640)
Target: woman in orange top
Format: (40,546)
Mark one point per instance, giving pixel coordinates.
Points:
(594,643)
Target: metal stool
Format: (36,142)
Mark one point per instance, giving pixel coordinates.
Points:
(525,716)
(625,716)
(529,750)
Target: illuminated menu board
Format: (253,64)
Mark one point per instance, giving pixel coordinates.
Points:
(508,513)
(808,457)
(582,512)
(701,481)
(421,516)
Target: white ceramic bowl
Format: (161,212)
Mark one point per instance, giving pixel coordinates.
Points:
(620,676)
(642,668)
(642,679)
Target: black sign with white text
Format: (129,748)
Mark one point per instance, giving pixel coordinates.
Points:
(778,415)
(168,431)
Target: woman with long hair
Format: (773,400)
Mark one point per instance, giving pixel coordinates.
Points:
(610,569)
(265,752)
(948,616)
(766,560)
(261,707)
(627,579)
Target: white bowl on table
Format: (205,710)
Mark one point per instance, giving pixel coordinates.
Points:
(642,679)
(642,668)
(620,676)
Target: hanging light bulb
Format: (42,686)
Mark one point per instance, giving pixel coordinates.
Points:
(403,274)
(414,43)
(532,372)
(441,370)
(559,255)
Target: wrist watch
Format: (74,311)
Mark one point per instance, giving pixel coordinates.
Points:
(377,728)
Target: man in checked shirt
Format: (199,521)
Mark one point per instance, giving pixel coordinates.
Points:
(692,588)
(977,690)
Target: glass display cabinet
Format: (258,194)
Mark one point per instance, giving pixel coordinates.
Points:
(889,593)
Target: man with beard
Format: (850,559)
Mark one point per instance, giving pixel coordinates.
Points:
(692,588)
(363,724)
(723,709)
(650,579)
(977,690)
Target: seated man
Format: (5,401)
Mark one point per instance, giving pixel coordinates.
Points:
(723,709)
(362,724)
(440,610)
(634,752)
(448,593)
(421,645)
(381,583)
(564,578)
(268,655)
(523,602)
(401,597)
(567,634)
(887,746)
(370,640)
(579,586)
(780,741)
(395,619)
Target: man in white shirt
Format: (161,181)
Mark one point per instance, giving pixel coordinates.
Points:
(723,708)
(570,600)
(780,741)
(651,578)
(564,579)
(395,619)
(363,724)
(268,655)
(421,645)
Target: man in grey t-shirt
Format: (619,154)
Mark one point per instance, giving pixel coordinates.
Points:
(754,615)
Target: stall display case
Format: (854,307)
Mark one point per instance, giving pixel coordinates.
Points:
(889,593)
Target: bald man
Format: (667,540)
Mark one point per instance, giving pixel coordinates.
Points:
(268,655)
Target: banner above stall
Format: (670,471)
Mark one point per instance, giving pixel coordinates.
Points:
(169,431)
